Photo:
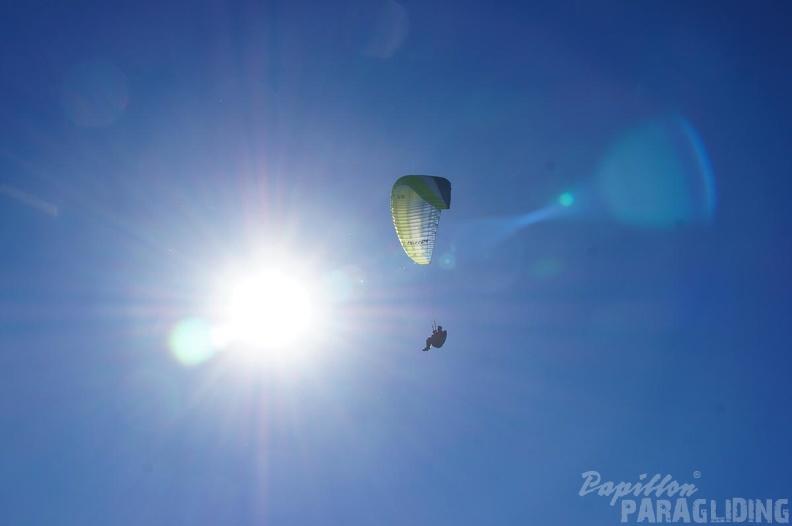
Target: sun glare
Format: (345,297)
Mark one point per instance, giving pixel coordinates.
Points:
(269,314)
(268,309)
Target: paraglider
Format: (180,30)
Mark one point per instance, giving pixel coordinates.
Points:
(416,203)
(437,339)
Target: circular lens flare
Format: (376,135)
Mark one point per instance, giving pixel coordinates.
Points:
(191,343)
(566,199)
(658,176)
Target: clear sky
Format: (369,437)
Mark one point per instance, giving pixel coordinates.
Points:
(206,316)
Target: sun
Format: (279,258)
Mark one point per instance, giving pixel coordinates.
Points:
(278,312)
(267,309)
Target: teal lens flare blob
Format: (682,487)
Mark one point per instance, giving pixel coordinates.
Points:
(566,199)
(191,342)
(447,261)
(658,176)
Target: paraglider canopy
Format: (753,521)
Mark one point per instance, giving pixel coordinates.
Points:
(416,202)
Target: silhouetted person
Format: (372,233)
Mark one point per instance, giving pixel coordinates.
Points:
(437,339)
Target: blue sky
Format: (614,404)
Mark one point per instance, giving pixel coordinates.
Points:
(149,150)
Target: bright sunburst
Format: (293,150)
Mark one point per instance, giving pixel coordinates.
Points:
(272,310)
(267,312)
(267,309)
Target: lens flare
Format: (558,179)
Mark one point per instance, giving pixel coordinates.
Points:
(658,176)
(94,93)
(191,342)
(566,199)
